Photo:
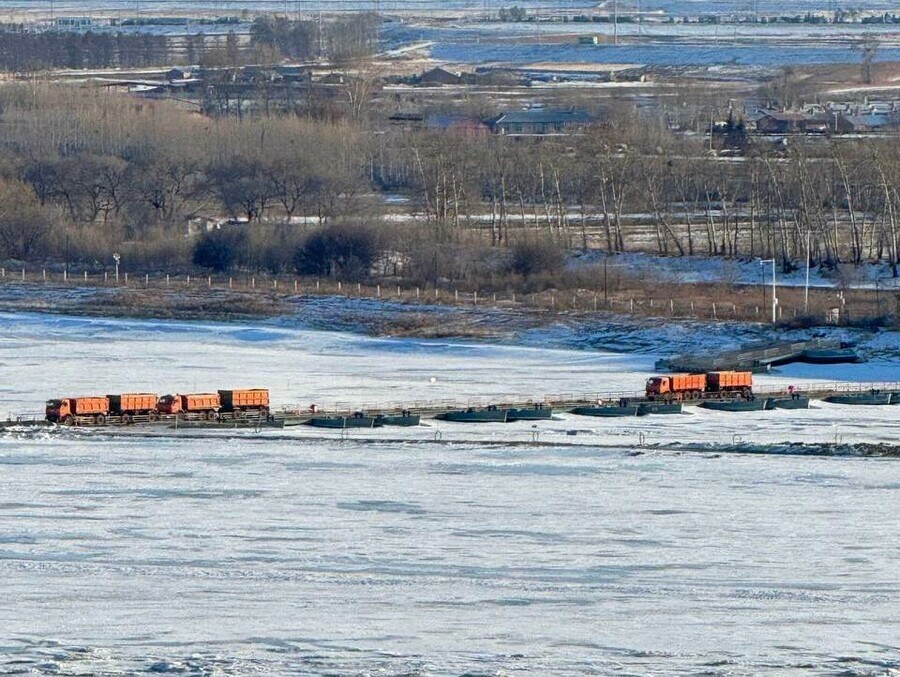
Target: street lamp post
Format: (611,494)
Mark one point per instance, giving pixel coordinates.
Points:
(774,298)
(117,258)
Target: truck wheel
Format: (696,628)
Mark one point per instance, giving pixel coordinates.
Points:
(100,419)
(127,419)
(153,416)
(747,393)
(69,420)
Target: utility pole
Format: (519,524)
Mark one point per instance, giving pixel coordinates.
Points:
(806,288)
(616,22)
(774,297)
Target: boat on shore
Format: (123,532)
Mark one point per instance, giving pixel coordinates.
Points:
(404,420)
(843,355)
(655,408)
(358,420)
(536,413)
(873,397)
(607,410)
(471,415)
(760,404)
(794,402)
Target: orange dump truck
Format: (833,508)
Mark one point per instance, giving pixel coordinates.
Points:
(131,404)
(730,382)
(676,387)
(205,404)
(65,410)
(239,401)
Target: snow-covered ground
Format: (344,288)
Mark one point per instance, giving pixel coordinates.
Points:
(702,269)
(439,550)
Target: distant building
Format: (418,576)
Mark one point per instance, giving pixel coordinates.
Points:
(539,121)
(438,77)
(74,22)
(791,122)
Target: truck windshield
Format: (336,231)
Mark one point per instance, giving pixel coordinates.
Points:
(54,403)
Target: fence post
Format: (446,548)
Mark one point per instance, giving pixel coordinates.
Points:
(672,306)
(317,284)
(126,279)
(85,276)
(378,290)
(65,274)
(553,301)
(715,316)
(3,272)
(44,273)
(230,282)
(295,285)
(595,302)
(399,294)
(476,297)
(167,280)
(339,286)
(456,294)
(651,303)
(105,276)
(189,280)
(692,307)
(253,283)
(359,288)
(632,305)
(146,279)
(275,284)
(417,293)
(209,280)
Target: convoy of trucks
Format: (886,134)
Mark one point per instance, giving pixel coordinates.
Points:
(127,406)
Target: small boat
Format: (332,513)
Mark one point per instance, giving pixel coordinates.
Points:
(788,403)
(830,355)
(536,413)
(405,419)
(610,410)
(489,415)
(358,420)
(872,397)
(760,404)
(659,408)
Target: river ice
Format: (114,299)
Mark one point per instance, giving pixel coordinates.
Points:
(280,553)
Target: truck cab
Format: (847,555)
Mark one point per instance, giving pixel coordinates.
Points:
(169,404)
(58,410)
(658,385)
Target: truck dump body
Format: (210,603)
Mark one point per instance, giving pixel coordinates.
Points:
(720,381)
(132,403)
(201,402)
(253,398)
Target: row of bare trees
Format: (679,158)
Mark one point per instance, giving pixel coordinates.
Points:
(94,170)
(620,187)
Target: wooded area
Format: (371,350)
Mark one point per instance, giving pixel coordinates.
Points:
(86,172)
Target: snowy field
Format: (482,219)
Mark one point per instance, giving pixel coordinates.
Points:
(440,550)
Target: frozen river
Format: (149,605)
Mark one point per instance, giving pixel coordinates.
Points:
(282,554)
